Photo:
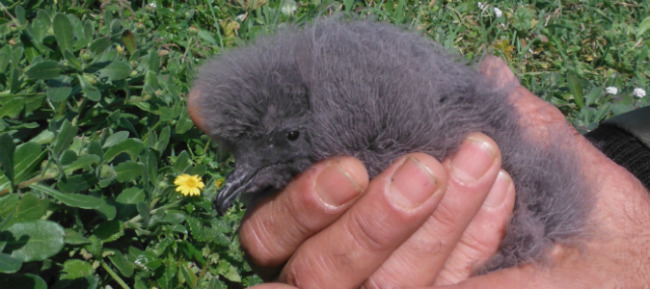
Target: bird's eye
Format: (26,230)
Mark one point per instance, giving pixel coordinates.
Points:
(293,135)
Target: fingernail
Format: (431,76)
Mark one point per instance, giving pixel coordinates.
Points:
(335,186)
(475,156)
(412,184)
(502,186)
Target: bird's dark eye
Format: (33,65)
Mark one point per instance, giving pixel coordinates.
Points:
(293,135)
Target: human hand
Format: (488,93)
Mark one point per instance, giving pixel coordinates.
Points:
(613,257)
(615,254)
(361,233)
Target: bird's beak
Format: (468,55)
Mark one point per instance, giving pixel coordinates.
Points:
(236,183)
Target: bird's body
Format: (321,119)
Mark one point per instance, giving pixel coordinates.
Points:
(376,92)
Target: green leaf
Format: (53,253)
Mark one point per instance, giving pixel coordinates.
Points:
(30,281)
(107,210)
(90,91)
(576,88)
(173,217)
(190,277)
(122,264)
(73,237)
(22,209)
(128,171)
(129,41)
(182,162)
(7,147)
(131,146)
(184,123)
(9,265)
(12,107)
(44,137)
(131,196)
(144,210)
(152,60)
(63,31)
(109,231)
(84,162)
(75,268)
(67,157)
(26,159)
(77,182)
(115,138)
(151,81)
(72,60)
(163,139)
(64,138)
(59,89)
(72,200)
(643,27)
(98,46)
(36,240)
(79,201)
(47,69)
(116,70)
(207,36)
(19,11)
(5,58)
(151,165)
(229,272)
(83,35)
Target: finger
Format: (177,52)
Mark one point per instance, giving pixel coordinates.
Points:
(194,102)
(497,72)
(483,235)
(472,171)
(524,277)
(396,203)
(274,230)
(535,112)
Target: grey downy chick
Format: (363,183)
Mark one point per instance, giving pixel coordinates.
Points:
(376,92)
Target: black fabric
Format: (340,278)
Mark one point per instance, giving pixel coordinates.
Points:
(636,123)
(626,140)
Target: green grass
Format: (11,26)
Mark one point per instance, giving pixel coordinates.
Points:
(94,129)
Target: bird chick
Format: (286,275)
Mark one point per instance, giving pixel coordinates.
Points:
(375,91)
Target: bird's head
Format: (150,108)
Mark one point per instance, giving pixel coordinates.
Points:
(255,105)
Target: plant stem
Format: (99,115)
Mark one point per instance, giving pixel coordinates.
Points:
(27,183)
(114,275)
(7,12)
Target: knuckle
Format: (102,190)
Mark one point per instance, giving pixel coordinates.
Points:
(311,270)
(373,283)
(256,242)
(445,219)
(476,248)
(367,233)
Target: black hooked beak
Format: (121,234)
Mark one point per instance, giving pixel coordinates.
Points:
(236,183)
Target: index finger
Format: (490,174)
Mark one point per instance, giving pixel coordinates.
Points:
(273,230)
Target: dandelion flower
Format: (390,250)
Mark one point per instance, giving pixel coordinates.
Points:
(189,185)
(497,12)
(611,90)
(218,183)
(639,92)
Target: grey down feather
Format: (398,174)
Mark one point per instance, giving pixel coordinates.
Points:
(375,91)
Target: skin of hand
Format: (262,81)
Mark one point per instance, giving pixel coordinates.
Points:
(428,223)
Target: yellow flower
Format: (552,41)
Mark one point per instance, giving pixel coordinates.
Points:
(218,183)
(189,185)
